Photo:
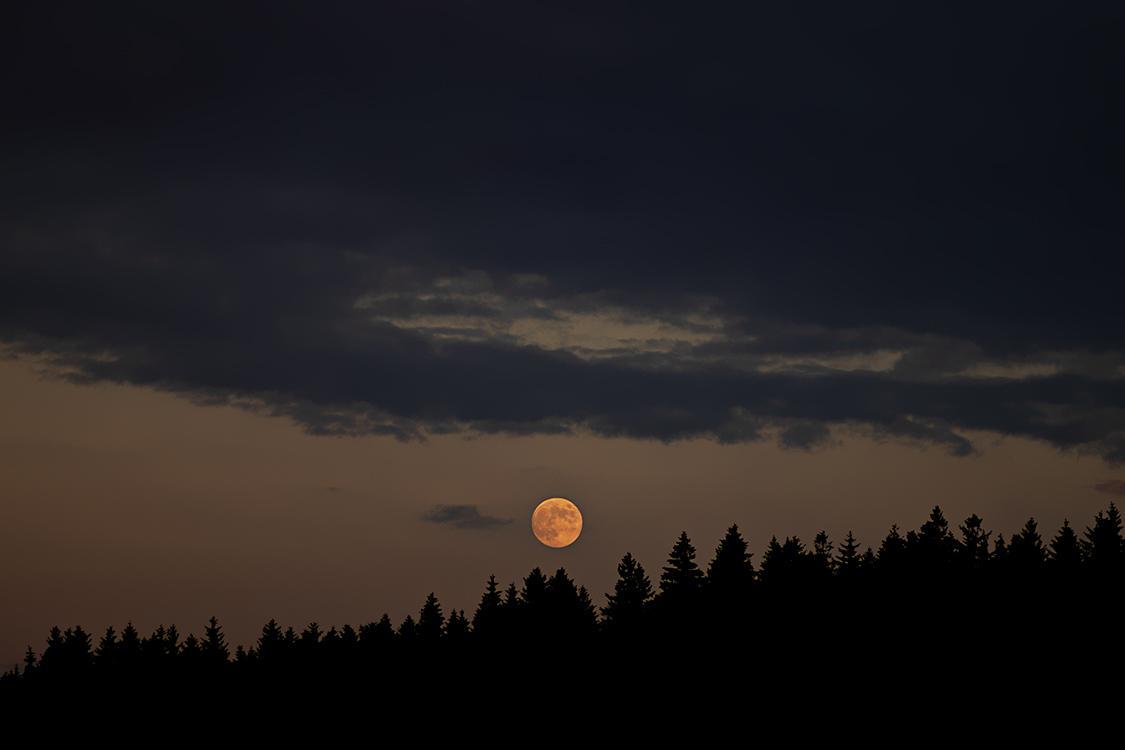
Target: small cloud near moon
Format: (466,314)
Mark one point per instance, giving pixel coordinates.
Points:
(556,522)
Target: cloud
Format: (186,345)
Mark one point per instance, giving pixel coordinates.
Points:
(1111,487)
(463,517)
(677,262)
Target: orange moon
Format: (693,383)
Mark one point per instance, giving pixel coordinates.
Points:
(556,522)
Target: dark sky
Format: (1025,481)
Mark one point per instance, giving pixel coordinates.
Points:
(821,230)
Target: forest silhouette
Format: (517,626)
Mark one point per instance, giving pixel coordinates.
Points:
(955,603)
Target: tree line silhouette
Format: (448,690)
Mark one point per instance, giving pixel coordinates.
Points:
(963,587)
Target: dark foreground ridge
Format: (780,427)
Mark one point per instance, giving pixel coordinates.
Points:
(946,607)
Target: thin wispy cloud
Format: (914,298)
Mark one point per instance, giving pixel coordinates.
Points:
(463,517)
(1111,487)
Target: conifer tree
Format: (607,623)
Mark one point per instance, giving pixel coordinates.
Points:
(972,549)
(534,590)
(192,652)
(587,613)
(848,561)
(1026,554)
(105,656)
(457,627)
(486,618)
(153,647)
(171,641)
(1103,545)
(511,598)
(214,647)
(560,593)
(407,631)
(431,621)
(772,563)
(730,571)
(348,639)
(384,628)
(1066,552)
(308,644)
(931,548)
(999,557)
(53,660)
(29,662)
(330,645)
(79,647)
(681,577)
(631,595)
(822,554)
(892,550)
(271,643)
(376,636)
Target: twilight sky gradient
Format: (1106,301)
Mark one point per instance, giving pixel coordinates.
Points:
(303,307)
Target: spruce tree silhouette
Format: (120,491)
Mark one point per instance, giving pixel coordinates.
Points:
(626,607)
(972,549)
(892,553)
(568,609)
(730,577)
(511,598)
(271,643)
(53,661)
(77,655)
(681,584)
(1065,561)
(1103,545)
(512,616)
(457,628)
(129,651)
(171,642)
(349,639)
(214,647)
(486,620)
(848,560)
(999,557)
(1026,555)
(681,578)
(191,655)
(105,655)
(730,572)
(153,648)
(586,614)
(431,622)
(375,639)
(566,612)
(931,549)
(822,554)
(772,573)
(406,632)
(534,591)
(331,649)
(532,612)
(29,662)
(787,568)
(310,636)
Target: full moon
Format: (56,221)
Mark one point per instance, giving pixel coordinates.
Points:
(556,522)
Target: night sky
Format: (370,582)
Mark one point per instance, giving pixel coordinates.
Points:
(304,306)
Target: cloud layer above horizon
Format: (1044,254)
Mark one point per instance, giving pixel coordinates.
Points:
(788,223)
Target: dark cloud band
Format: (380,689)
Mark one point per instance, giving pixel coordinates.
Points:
(408,221)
